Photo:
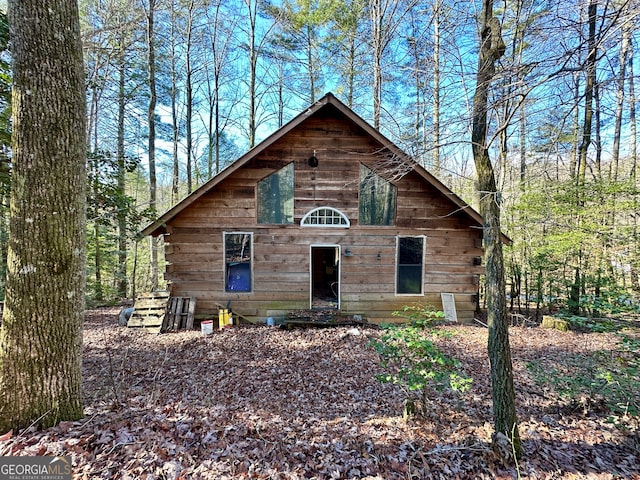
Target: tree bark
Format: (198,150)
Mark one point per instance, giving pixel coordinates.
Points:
(175,175)
(505,420)
(121,280)
(590,82)
(253,66)
(41,335)
(633,136)
(151,109)
(189,99)
(437,14)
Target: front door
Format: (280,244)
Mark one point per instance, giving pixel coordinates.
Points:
(325,277)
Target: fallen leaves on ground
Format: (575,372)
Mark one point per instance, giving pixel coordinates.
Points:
(265,403)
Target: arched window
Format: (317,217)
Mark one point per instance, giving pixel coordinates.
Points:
(325,217)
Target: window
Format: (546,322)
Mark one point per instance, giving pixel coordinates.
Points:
(377,199)
(275,197)
(410,261)
(325,217)
(237,261)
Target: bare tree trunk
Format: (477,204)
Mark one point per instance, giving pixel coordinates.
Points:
(41,334)
(590,81)
(253,65)
(175,177)
(312,65)
(633,128)
(623,56)
(437,14)
(152,134)
(633,140)
(583,148)
(598,136)
(121,278)
(378,48)
(523,147)
(505,420)
(92,129)
(189,99)
(351,76)
(573,155)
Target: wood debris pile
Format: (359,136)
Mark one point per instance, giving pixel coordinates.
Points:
(315,318)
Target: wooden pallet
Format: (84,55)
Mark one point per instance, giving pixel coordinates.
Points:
(179,314)
(149,310)
(159,312)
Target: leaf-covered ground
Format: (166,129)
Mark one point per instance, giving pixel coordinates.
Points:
(268,403)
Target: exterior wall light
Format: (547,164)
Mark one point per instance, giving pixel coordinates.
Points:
(313,160)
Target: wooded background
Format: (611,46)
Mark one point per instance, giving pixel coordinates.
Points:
(177,89)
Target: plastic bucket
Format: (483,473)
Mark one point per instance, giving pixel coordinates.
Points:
(206,326)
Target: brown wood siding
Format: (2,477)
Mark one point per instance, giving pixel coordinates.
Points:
(281,253)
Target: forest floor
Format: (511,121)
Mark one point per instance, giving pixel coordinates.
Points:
(261,402)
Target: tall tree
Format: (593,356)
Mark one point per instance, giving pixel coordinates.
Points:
(491,49)
(253,47)
(191,12)
(347,47)
(151,118)
(437,21)
(217,74)
(41,334)
(385,19)
(121,279)
(585,143)
(175,118)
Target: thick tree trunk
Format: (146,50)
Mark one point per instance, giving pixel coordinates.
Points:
(503,393)
(41,335)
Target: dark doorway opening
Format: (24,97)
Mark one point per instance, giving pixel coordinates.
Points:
(325,277)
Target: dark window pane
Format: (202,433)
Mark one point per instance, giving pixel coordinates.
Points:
(410,261)
(410,251)
(410,279)
(275,197)
(377,199)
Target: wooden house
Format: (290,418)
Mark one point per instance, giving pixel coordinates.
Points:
(326,213)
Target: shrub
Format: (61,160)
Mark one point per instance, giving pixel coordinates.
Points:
(411,359)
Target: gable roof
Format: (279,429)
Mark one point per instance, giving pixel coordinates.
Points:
(158,227)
